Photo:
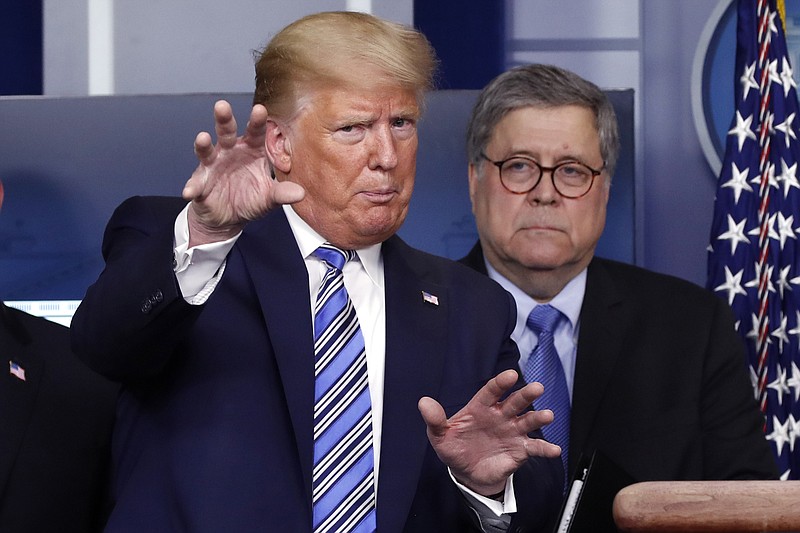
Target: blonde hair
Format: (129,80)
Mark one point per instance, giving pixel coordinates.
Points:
(340,48)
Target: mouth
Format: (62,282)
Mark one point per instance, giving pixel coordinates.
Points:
(380,196)
(542,228)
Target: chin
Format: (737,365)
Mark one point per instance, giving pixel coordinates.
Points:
(542,262)
(369,234)
(376,235)
(385,223)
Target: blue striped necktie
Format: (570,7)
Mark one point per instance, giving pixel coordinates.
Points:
(343,486)
(545,367)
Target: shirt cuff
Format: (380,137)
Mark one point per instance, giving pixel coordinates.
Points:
(198,269)
(507,506)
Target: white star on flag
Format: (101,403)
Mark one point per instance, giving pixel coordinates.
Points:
(742,129)
(738,182)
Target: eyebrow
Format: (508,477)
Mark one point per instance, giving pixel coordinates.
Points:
(356,118)
(561,158)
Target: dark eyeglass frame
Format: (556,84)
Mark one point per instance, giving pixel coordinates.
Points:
(542,170)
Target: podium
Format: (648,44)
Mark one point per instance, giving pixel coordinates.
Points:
(708,506)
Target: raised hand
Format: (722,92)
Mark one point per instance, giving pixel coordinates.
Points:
(487,441)
(232,184)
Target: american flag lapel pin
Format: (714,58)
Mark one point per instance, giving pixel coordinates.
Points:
(430,298)
(15,370)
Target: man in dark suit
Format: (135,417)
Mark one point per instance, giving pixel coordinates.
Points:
(654,368)
(208,312)
(56,431)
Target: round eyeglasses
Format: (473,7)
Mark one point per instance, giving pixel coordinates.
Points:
(520,175)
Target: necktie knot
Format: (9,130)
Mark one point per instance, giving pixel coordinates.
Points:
(543,318)
(333,256)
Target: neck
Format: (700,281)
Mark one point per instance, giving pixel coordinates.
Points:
(540,284)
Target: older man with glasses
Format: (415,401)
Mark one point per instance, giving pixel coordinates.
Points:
(645,368)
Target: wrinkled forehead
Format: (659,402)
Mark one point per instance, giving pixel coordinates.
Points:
(552,125)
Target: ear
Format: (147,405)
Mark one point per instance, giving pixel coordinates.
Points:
(278,146)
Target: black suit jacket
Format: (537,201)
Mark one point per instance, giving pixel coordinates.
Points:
(55,431)
(215,425)
(660,379)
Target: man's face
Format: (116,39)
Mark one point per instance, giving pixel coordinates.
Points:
(541,230)
(354,151)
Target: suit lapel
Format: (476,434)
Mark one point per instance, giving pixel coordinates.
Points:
(416,341)
(17,396)
(474,259)
(280,279)
(599,344)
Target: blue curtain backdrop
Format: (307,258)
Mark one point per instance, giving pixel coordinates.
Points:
(21,45)
(469,37)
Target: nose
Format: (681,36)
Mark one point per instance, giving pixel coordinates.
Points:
(383,153)
(545,191)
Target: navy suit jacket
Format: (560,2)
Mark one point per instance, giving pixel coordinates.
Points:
(660,382)
(55,431)
(215,423)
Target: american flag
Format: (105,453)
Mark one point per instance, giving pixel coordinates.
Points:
(430,298)
(754,258)
(15,370)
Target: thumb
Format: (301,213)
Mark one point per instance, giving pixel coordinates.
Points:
(434,416)
(287,192)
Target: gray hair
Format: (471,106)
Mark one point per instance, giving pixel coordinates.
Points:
(541,86)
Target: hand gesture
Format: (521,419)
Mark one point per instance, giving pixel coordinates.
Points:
(232,184)
(487,441)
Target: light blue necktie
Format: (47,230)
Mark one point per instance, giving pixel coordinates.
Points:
(545,367)
(343,486)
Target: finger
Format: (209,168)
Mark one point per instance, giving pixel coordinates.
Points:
(521,399)
(542,448)
(534,420)
(434,416)
(256,129)
(495,388)
(225,124)
(287,192)
(204,149)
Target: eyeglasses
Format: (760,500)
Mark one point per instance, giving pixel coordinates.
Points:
(520,175)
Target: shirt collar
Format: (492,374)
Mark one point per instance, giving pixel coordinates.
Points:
(569,301)
(309,240)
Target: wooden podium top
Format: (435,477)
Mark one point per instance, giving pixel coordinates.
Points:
(708,506)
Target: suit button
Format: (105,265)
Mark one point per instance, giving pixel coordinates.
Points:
(151,301)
